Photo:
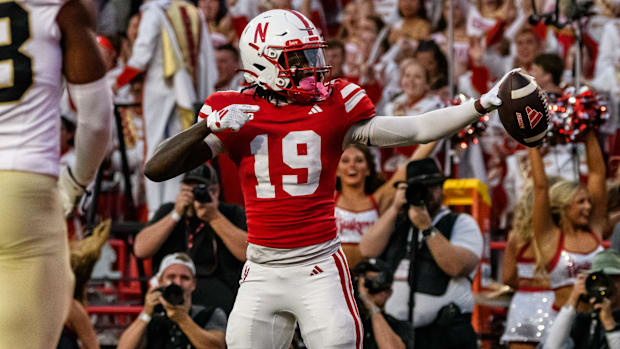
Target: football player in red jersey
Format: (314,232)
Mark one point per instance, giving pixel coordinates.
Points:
(286,133)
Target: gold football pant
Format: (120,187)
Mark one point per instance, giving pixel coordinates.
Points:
(36,281)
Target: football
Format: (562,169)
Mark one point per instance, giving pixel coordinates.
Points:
(524,111)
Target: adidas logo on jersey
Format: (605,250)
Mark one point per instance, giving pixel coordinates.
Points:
(316,270)
(315,109)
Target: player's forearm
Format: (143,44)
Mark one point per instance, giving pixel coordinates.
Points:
(391,131)
(235,239)
(94,116)
(150,239)
(179,154)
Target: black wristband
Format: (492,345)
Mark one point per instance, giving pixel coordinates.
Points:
(428,231)
(479,108)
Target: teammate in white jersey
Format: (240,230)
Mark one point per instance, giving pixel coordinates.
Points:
(40,41)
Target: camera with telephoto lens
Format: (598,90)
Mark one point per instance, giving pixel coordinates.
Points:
(598,286)
(173,294)
(201,193)
(417,193)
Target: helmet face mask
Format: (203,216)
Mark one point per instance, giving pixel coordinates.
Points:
(304,69)
(282,52)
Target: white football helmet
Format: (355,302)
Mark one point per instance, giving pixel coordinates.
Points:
(282,51)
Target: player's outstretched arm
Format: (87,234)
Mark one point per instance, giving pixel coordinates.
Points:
(179,154)
(390,131)
(393,131)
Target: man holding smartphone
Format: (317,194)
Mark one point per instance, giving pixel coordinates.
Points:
(212,232)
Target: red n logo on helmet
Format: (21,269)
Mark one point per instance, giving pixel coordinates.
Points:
(260,31)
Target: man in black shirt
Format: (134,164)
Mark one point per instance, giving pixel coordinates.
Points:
(212,232)
(169,320)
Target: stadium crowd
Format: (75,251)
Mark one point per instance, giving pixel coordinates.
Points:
(412,266)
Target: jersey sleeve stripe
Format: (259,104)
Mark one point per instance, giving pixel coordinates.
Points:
(348,89)
(205,111)
(352,102)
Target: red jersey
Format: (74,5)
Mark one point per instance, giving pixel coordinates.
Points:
(287,158)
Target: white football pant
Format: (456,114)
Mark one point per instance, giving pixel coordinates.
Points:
(318,295)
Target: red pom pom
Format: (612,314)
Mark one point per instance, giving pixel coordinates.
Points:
(574,114)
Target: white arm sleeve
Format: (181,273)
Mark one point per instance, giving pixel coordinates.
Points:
(559,335)
(391,131)
(93,102)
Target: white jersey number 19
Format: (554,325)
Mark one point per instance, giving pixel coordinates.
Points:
(310,160)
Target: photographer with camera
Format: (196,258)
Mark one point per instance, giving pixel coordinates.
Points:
(374,287)
(169,319)
(212,232)
(599,328)
(443,250)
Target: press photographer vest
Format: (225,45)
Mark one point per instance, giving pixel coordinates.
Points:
(425,276)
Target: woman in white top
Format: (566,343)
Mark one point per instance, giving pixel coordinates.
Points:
(569,220)
(362,196)
(415,99)
(530,314)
